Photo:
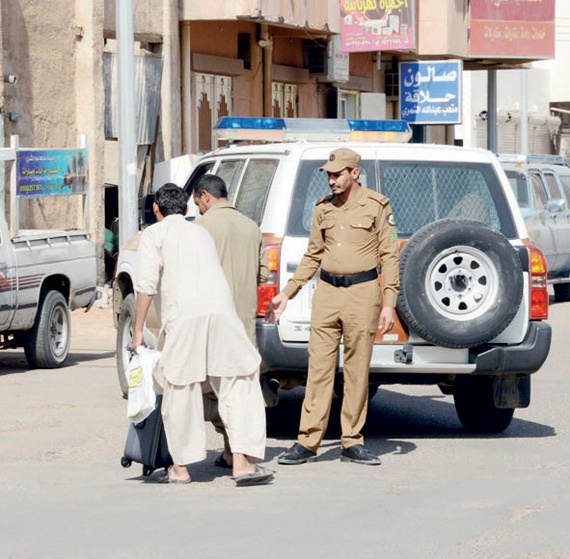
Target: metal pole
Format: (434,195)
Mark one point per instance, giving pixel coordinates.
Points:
(492,136)
(14,206)
(267,46)
(128,196)
(524,113)
(2,167)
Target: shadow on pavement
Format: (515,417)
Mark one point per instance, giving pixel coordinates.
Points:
(14,361)
(392,414)
(76,358)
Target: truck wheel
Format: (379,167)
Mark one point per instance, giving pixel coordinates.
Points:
(475,406)
(561,292)
(124,338)
(46,345)
(461,283)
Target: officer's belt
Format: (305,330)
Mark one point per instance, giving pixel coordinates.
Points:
(345,281)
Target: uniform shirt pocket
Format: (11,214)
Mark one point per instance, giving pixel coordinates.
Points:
(362,230)
(364,222)
(326,224)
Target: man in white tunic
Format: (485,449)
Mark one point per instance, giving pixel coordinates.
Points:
(201,338)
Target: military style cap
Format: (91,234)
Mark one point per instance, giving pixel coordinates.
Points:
(340,159)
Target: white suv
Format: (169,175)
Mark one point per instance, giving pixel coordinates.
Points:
(473,298)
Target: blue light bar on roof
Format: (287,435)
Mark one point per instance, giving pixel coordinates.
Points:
(310,129)
(379,125)
(246,122)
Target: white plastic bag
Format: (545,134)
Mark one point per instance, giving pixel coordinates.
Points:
(142,398)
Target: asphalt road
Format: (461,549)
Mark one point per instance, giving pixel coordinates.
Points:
(439,493)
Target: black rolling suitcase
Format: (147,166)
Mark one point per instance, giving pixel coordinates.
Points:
(146,443)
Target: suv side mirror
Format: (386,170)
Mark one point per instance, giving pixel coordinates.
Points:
(555,205)
(147,215)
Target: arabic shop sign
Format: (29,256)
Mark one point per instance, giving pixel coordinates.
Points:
(512,28)
(373,25)
(430,92)
(41,172)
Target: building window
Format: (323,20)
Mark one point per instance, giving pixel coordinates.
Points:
(284,100)
(392,84)
(348,104)
(244,49)
(213,94)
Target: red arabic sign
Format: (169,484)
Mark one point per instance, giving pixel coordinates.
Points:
(372,25)
(512,28)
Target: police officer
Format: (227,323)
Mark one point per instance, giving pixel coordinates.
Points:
(353,230)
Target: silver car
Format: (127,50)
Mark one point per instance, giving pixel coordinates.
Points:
(541,184)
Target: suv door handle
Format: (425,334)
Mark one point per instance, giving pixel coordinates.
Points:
(292,267)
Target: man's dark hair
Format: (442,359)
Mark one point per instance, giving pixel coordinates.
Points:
(171,199)
(211,183)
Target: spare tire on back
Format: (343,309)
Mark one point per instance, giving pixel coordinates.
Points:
(461,283)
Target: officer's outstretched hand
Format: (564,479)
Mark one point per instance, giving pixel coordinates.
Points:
(276,307)
(387,319)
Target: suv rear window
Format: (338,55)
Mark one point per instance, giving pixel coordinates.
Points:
(247,189)
(310,186)
(427,191)
(420,192)
(254,187)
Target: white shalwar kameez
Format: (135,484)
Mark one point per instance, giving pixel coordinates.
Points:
(201,338)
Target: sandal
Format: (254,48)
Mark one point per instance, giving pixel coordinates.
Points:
(168,477)
(259,476)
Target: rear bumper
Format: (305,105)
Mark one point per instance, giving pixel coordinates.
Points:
(277,355)
(522,359)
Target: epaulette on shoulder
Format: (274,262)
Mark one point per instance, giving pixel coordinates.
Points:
(376,196)
(326,198)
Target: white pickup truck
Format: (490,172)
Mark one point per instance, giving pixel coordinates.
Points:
(43,275)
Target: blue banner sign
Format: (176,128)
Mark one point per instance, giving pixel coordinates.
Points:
(51,172)
(430,92)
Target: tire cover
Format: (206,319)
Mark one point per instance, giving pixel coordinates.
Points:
(461,283)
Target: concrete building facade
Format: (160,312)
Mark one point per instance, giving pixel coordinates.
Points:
(194,62)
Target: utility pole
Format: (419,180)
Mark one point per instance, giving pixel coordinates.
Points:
(523,127)
(492,131)
(128,195)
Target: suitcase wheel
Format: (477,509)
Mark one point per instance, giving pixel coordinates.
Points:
(125,462)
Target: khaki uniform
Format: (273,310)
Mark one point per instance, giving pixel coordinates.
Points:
(240,248)
(346,238)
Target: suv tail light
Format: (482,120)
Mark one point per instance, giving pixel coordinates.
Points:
(538,284)
(266,291)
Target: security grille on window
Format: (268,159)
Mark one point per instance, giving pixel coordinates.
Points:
(213,96)
(392,85)
(284,100)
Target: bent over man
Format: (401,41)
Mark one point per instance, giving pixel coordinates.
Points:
(201,338)
(239,244)
(353,230)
